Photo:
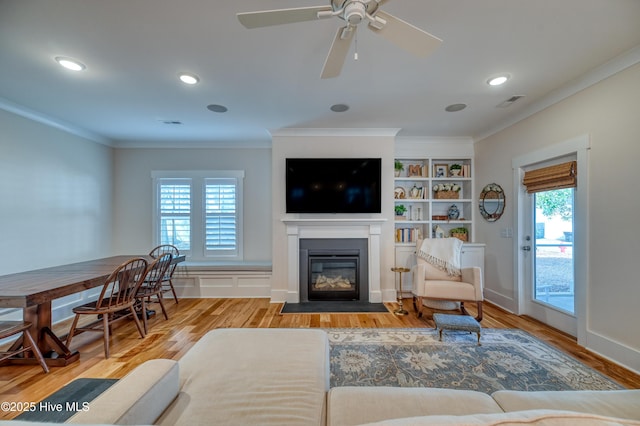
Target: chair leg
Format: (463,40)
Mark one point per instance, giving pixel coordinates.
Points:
(465,312)
(143,312)
(72,331)
(479,317)
(36,351)
(161,302)
(105,334)
(418,300)
(173,290)
(137,321)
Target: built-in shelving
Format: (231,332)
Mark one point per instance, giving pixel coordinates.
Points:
(427,209)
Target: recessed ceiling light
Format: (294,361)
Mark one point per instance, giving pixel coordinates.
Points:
(339,108)
(498,80)
(455,107)
(217,108)
(187,78)
(70,64)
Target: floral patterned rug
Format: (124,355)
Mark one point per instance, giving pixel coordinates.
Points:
(508,359)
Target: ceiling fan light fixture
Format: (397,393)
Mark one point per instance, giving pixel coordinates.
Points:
(188,78)
(70,64)
(498,80)
(355,12)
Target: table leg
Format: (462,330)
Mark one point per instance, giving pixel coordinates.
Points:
(400,310)
(55,352)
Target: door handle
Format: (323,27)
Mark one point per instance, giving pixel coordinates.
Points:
(526,248)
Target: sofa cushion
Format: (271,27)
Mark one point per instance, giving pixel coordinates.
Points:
(253,376)
(138,398)
(515,418)
(615,403)
(350,405)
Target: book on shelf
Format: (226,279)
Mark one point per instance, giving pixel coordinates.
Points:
(408,235)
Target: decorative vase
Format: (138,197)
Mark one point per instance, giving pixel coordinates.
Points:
(414,192)
(454,172)
(453,213)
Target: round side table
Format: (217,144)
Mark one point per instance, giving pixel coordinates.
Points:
(400,310)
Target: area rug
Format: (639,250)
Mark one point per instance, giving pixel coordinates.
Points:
(332,306)
(61,405)
(508,359)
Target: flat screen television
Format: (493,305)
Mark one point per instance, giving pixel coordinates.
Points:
(333,185)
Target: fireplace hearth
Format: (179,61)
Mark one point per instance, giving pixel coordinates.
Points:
(333,269)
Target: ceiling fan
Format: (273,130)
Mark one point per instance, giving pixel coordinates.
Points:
(353,12)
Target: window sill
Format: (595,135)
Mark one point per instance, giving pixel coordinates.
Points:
(227,266)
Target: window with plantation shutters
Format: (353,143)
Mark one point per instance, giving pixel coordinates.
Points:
(175,213)
(221,216)
(200,212)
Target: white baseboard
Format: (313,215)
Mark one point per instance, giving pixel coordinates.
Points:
(614,351)
(279,295)
(500,300)
(389,295)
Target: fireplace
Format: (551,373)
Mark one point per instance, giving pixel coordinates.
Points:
(333,269)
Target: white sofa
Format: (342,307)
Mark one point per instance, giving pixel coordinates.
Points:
(281,377)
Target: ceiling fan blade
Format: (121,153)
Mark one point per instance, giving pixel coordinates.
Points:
(406,36)
(338,52)
(267,18)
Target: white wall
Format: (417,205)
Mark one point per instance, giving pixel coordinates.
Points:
(608,112)
(336,143)
(57,196)
(133,193)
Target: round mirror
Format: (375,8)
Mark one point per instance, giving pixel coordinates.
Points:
(491,202)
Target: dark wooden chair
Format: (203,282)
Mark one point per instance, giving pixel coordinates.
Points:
(25,343)
(117,296)
(167,280)
(152,287)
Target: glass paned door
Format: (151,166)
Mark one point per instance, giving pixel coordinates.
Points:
(553,247)
(548,263)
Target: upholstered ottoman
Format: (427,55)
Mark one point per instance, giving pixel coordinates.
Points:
(458,323)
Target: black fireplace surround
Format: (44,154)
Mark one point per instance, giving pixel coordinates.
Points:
(334,269)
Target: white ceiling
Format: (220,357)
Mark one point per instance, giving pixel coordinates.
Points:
(269,78)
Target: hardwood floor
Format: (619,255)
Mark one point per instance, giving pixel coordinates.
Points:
(192,318)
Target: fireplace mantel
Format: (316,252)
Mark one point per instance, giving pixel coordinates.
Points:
(333,220)
(297,228)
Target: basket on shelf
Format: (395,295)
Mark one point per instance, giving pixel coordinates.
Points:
(463,236)
(446,195)
(460,233)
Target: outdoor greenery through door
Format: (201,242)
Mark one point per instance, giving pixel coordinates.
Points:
(553,248)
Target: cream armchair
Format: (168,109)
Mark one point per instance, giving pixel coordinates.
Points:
(429,282)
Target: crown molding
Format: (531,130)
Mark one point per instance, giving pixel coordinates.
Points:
(596,75)
(175,144)
(320,132)
(36,116)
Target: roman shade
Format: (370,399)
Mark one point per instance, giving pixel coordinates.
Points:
(552,177)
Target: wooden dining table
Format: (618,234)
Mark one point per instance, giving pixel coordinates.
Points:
(33,291)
